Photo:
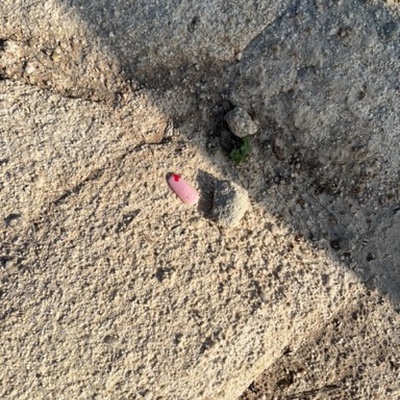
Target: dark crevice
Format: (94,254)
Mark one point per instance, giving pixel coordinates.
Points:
(3,43)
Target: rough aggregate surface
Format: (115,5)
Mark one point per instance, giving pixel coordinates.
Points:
(111,288)
(230,203)
(355,357)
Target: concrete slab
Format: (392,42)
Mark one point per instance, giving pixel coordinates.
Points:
(50,144)
(111,288)
(356,356)
(322,81)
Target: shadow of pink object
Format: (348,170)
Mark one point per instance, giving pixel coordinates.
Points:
(187,193)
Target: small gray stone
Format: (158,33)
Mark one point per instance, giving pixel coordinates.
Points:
(12,219)
(240,123)
(230,203)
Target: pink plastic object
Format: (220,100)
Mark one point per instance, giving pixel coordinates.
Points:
(187,193)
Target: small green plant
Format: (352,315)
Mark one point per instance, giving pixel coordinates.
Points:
(241,152)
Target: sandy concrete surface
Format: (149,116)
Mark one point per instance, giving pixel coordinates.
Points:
(355,356)
(111,288)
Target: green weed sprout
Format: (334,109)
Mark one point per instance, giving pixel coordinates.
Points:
(240,154)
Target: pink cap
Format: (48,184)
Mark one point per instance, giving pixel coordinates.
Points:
(187,193)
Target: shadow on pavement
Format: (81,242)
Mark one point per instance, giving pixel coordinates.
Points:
(318,81)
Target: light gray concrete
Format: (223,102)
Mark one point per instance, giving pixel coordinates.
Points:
(113,288)
(323,80)
(356,356)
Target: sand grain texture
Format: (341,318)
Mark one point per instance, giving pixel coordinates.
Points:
(112,288)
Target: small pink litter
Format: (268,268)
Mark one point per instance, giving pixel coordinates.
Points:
(186,192)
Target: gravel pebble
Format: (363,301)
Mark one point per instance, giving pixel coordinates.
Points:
(230,203)
(240,123)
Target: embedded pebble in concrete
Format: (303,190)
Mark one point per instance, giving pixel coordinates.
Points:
(240,123)
(230,203)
